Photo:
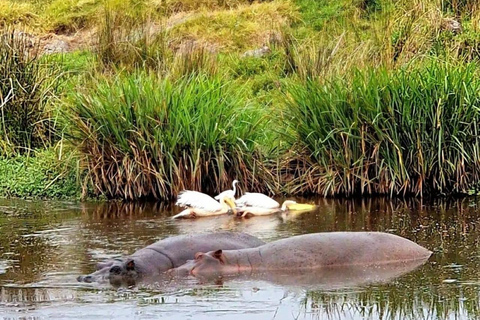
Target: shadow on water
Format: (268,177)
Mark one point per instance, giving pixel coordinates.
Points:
(44,246)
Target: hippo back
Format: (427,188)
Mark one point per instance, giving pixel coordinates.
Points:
(340,249)
(181,248)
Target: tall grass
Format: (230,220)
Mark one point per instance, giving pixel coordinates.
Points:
(128,41)
(146,137)
(27,84)
(132,43)
(410,131)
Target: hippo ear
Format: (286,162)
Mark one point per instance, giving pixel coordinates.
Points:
(130,265)
(198,255)
(219,255)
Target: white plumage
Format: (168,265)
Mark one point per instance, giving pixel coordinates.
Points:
(228,193)
(195,199)
(258,200)
(199,204)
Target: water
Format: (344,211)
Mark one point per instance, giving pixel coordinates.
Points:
(44,246)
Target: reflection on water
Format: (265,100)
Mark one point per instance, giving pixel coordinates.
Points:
(44,246)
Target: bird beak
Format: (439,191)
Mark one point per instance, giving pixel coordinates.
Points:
(301,207)
(231,204)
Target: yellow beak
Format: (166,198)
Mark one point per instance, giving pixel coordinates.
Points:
(301,207)
(231,204)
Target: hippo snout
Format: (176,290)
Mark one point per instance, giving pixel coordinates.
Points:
(183,271)
(179,272)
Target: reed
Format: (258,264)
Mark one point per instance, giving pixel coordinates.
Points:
(409,131)
(149,137)
(27,84)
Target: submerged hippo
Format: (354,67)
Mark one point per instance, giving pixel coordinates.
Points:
(166,254)
(310,251)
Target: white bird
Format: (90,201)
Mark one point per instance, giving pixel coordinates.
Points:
(202,205)
(230,193)
(253,199)
(260,204)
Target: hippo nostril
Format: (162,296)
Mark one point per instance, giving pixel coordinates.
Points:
(87,279)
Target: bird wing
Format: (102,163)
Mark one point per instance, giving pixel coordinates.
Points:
(226,193)
(257,200)
(195,199)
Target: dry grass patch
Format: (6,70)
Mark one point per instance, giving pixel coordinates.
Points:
(12,12)
(173,6)
(239,29)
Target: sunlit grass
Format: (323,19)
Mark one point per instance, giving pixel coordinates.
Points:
(246,27)
(174,6)
(13,12)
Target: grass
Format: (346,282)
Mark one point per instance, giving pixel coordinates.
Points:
(13,12)
(148,137)
(126,42)
(409,131)
(27,84)
(169,7)
(246,27)
(365,71)
(43,174)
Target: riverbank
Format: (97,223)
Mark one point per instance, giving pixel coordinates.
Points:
(288,96)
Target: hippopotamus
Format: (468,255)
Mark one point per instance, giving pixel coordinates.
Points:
(307,252)
(166,254)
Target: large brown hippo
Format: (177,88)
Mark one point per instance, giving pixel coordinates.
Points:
(166,254)
(308,252)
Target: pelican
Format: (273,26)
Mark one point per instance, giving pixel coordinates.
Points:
(199,204)
(230,193)
(260,204)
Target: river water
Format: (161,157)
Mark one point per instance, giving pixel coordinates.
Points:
(44,246)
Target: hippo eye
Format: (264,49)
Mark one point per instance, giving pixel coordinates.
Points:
(115,270)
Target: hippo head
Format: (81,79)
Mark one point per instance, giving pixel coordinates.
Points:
(117,272)
(123,274)
(208,264)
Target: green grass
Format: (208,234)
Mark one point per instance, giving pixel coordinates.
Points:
(43,174)
(150,137)
(410,131)
(334,108)
(27,85)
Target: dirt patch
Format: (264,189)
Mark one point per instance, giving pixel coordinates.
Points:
(55,43)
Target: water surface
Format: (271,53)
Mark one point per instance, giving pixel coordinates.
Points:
(44,246)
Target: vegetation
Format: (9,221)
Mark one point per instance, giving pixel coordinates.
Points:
(44,174)
(409,131)
(26,86)
(344,97)
(146,137)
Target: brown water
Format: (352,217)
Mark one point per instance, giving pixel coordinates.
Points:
(44,246)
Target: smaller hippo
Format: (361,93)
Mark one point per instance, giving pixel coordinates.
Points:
(166,254)
(310,251)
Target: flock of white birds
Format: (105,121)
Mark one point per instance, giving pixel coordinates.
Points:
(199,204)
